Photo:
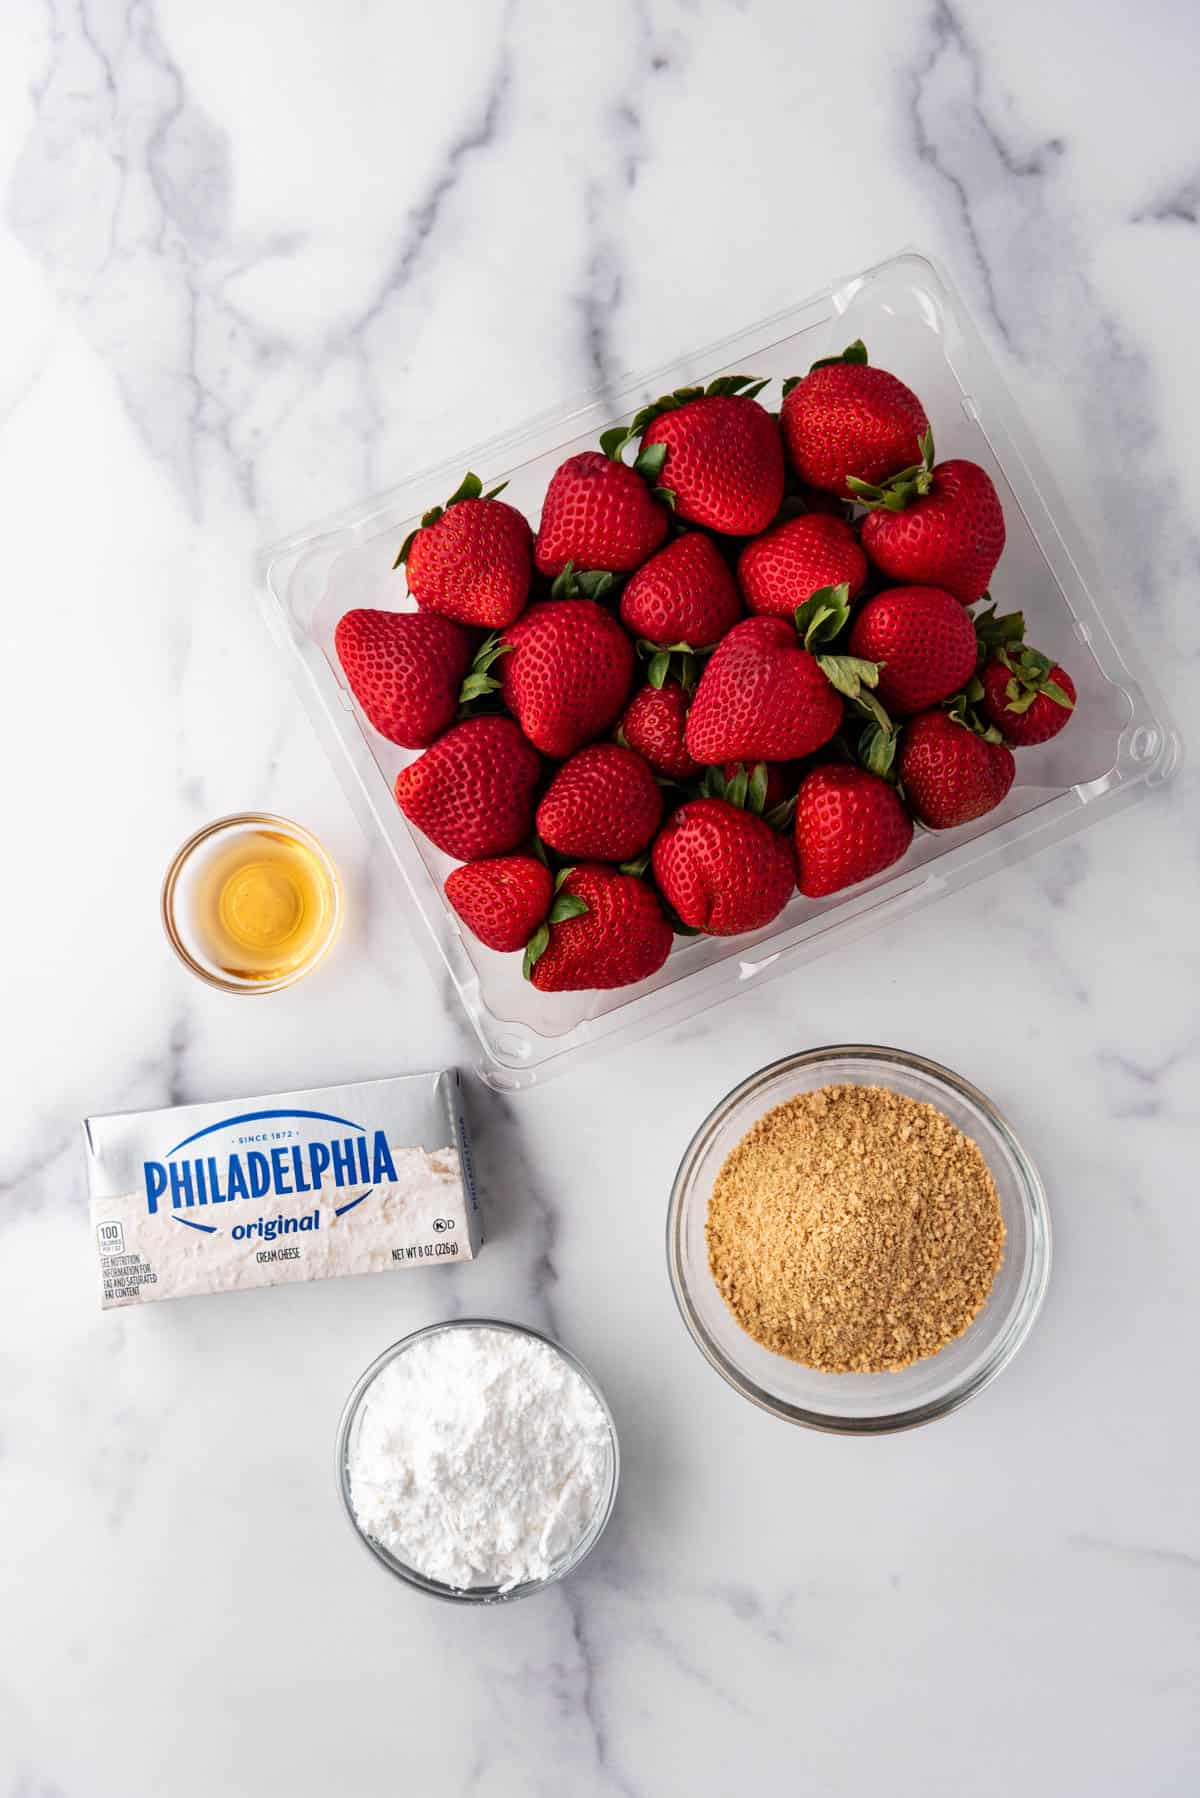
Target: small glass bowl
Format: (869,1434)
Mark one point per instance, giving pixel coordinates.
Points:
(851,1403)
(178,893)
(437,1588)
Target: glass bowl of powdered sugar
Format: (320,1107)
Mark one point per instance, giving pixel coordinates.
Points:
(477,1460)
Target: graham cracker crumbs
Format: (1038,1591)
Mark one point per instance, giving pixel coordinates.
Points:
(855,1229)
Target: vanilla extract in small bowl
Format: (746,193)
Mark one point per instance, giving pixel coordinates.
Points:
(251,903)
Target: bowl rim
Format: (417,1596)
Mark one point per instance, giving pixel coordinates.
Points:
(1025,1305)
(410,1575)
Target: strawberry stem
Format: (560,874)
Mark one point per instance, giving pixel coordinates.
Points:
(566,905)
(853,352)
(650,463)
(479,680)
(745,787)
(470,487)
(994,635)
(823,614)
(902,488)
(745,387)
(962,709)
(682,659)
(575,583)
(1031,676)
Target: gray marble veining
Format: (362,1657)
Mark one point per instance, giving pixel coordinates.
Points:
(258,262)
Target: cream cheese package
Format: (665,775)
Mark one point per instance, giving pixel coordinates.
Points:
(358,1179)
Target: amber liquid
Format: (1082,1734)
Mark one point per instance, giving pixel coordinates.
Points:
(261,905)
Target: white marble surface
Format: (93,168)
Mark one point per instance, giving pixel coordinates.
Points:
(255,263)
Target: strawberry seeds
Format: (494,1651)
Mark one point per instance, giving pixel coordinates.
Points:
(743,655)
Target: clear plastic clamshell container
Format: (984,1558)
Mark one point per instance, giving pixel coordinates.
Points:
(1119,742)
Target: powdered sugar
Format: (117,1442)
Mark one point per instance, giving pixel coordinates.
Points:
(479,1457)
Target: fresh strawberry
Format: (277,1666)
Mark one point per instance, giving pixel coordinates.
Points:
(472,792)
(653,724)
(781,569)
(723,870)
(568,674)
(501,901)
(845,419)
(605,929)
(940,525)
(766,697)
(717,452)
(1027,696)
(598,514)
(405,670)
(471,558)
(850,825)
(950,773)
(603,805)
(762,697)
(683,596)
(923,641)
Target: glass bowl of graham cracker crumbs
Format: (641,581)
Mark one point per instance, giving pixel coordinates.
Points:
(857,1240)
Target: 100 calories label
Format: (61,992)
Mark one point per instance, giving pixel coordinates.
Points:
(291,1186)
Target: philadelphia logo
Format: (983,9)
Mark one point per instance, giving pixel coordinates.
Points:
(289,1168)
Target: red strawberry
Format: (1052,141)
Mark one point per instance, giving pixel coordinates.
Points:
(603,805)
(764,697)
(405,670)
(850,825)
(718,452)
(923,641)
(501,901)
(941,526)
(722,869)
(949,773)
(683,595)
(653,724)
(470,560)
(598,514)
(846,419)
(615,935)
(472,793)
(568,673)
(1027,696)
(780,570)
